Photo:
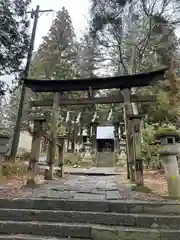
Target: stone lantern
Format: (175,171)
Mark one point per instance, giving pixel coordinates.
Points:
(61,150)
(93,137)
(168,151)
(4,142)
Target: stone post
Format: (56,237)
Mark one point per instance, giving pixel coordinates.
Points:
(74,138)
(94,142)
(79,137)
(169,150)
(61,150)
(35,148)
(69,125)
(93,137)
(128,111)
(116,137)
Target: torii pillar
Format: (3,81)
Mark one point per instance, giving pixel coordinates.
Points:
(136,121)
(35,147)
(128,129)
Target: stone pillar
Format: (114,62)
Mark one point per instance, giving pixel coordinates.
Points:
(35,148)
(169,150)
(128,111)
(137,149)
(94,142)
(52,148)
(93,137)
(61,150)
(79,137)
(116,137)
(69,136)
(74,138)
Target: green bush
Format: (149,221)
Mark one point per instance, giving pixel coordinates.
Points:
(149,149)
(13,169)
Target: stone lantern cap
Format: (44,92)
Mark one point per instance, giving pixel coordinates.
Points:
(5,133)
(167,133)
(60,139)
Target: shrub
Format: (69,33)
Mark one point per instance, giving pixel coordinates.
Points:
(13,169)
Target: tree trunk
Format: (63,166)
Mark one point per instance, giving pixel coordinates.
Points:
(35,150)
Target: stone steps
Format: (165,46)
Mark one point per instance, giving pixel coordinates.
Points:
(46,229)
(93,206)
(88,220)
(30,237)
(111,219)
(85,231)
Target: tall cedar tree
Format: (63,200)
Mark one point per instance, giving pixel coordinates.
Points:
(13,35)
(54,57)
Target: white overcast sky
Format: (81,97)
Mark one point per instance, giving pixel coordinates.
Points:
(78,10)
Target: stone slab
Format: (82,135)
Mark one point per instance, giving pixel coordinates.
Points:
(99,233)
(100,171)
(98,192)
(140,234)
(157,221)
(126,206)
(154,207)
(30,237)
(169,235)
(68,194)
(113,195)
(84,190)
(53,194)
(68,217)
(82,196)
(97,197)
(46,229)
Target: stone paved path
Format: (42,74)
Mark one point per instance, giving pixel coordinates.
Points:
(93,171)
(80,188)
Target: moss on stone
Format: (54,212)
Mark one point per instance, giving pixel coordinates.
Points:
(143,189)
(166,131)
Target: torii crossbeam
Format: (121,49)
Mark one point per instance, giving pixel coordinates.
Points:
(122,82)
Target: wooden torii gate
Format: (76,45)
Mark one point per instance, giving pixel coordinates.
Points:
(123,83)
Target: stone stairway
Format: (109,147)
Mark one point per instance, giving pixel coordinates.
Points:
(105,159)
(84,220)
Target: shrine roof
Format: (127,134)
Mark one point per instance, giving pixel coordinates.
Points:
(120,82)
